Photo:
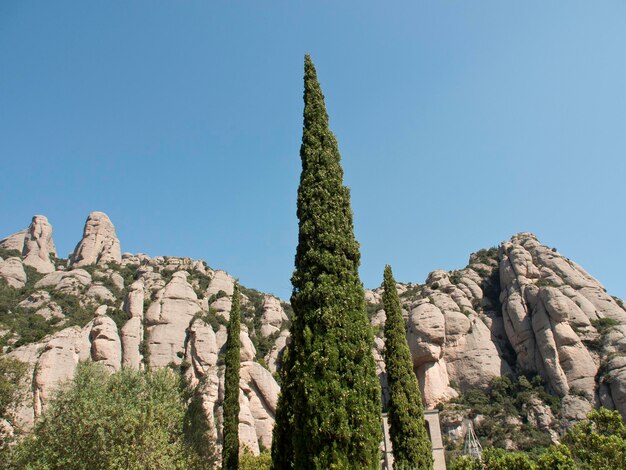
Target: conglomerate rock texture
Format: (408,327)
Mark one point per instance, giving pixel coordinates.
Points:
(519,308)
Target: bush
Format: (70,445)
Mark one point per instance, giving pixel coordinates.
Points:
(247,461)
(12,372)
(126,420)
(598,442)
(508,398)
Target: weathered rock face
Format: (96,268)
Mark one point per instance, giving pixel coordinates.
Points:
(201,353)
(519,308)
(260,396)
(70,282)
(28,354)
(551,307)
(449,340)
(38,245)
(56,364)
(106,347)
(132,332)
(275,356)
(99,244)
(273,316)
(168,318)
(14,242)
(221,281)
(12,271)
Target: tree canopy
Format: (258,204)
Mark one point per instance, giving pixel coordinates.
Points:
(125,420)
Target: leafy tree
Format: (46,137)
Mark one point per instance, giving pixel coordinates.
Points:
(465,463)
(251,462)
(125,420)
(230,450)
(598,442)
(500,459)
(329,411)
(407,428)
(556,458)
(12,372)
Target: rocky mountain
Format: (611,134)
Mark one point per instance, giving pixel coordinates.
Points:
(519,310)
(520,320)
(124,310)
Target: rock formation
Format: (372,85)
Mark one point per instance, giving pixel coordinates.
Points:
(12,271)
(167,319)
(519,308)
(273,316)
(106,346)
(14,242)
(132,331)
(99,244)
(38,245)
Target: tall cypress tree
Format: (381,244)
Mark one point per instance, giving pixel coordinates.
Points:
(329,411)
(230,450)
(411,446)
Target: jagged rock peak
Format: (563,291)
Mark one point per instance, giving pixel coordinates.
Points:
(14,242)
(34,244)
(99,244)
(38,245)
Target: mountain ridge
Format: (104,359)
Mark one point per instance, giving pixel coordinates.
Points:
(519,312)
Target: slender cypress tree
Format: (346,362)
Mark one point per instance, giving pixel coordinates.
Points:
(329,411)
(411,446)
(230,451)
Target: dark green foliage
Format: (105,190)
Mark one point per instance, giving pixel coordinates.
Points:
(413,292)
(196,429)
(213,319)
(500,459)
(263,344)
(199,282)
(410,442)
(12,372)
(25,323)
(127,272)
(485,256)
(603,325)
(125,420)
(329,411)
(288,310)
(556,458)
(4,253)
(546,283)
(230,451)
(504,403)
(120,317)
(599,442)
(372,309)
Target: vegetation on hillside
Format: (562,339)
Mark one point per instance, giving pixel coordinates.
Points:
(598,443)
(501,414)
(12,372)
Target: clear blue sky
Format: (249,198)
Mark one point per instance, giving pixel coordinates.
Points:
(459,123)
